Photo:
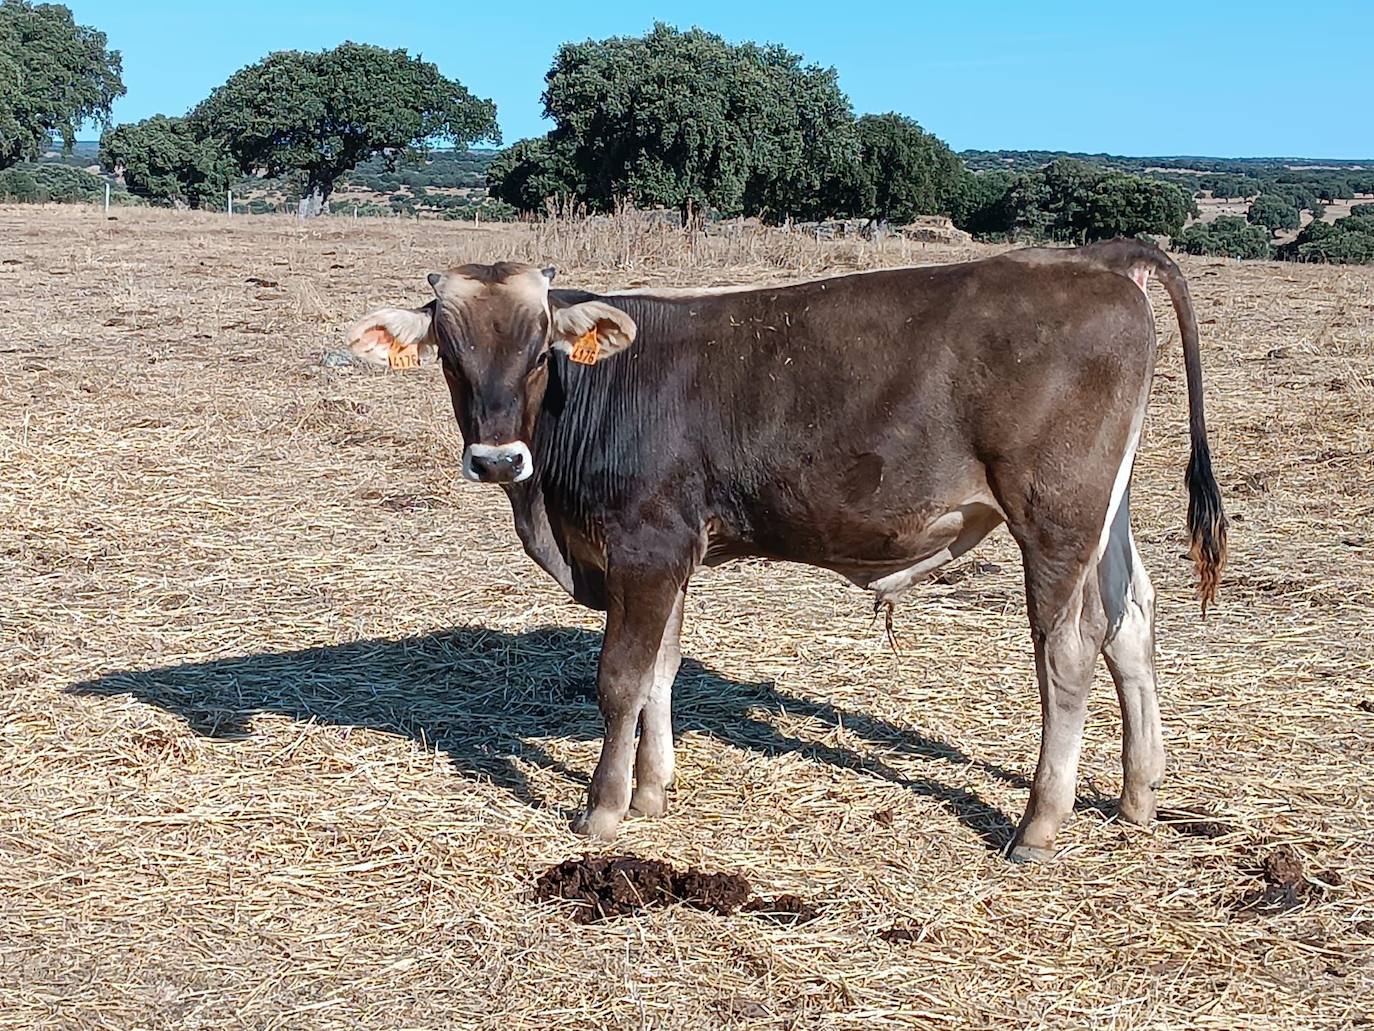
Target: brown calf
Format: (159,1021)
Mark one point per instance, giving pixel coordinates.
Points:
(879,425)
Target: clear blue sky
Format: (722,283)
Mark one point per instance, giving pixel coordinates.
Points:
(1217,78)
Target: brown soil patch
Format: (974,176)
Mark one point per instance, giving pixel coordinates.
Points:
(905,934)
(784,910)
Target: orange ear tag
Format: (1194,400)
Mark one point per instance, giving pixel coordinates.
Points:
(403,356)
(586,348)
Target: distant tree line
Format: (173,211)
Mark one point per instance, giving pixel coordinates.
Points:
(1239,178)
(675,119)
(450,169)
(1275,195)
(447,184)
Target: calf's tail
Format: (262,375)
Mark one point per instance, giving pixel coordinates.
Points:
(1206,519)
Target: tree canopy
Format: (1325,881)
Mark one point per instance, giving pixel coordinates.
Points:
(53,182)
(533,172)
(316,115)
(55,76)
(1348,240)
(1226,185)
(1071,200)
(167,160)
(901,171)
(1126,205)
(979,201)
(685,119)
(1274,212)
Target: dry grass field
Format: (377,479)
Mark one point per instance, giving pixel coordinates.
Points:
(289,726)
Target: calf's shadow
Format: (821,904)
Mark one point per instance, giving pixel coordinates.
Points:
(483,698)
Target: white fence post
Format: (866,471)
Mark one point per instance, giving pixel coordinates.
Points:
(107,198)
(229,204)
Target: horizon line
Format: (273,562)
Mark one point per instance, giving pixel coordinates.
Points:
(1030,150)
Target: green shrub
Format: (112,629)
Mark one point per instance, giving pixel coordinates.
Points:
(19,184)
(1229,236)
(54,182)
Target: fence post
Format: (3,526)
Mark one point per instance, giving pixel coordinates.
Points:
(229,204)
(107,198)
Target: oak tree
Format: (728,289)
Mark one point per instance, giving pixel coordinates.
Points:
(316,115)
(55,76)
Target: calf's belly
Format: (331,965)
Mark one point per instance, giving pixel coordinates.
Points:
(946,538)
(889,557)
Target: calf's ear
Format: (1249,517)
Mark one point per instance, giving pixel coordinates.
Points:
(395,337)
(592,330)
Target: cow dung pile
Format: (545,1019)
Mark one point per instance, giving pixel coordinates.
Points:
(1287,884)
(611,886)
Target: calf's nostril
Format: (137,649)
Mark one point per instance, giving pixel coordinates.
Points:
(497,463)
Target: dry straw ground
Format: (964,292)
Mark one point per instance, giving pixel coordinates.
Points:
(289,725)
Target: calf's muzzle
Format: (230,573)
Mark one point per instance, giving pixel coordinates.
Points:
(497,463)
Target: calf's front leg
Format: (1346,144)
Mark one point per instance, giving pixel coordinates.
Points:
(654,755)
(640,606)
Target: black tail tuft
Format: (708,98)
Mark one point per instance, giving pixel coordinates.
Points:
(1206,522)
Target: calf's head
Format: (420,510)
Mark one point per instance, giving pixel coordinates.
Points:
(494,328)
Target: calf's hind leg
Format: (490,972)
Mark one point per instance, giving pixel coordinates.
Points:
(1129,648)
(1067,626)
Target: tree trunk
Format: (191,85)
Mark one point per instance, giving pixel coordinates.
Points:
(313,204)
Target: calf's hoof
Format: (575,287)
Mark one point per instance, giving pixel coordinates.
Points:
(1031,854)
(1137,806)
(600,824)
(649,801)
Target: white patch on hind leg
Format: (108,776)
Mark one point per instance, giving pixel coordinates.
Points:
(1119,487)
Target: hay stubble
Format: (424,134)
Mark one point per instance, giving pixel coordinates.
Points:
(289,725)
